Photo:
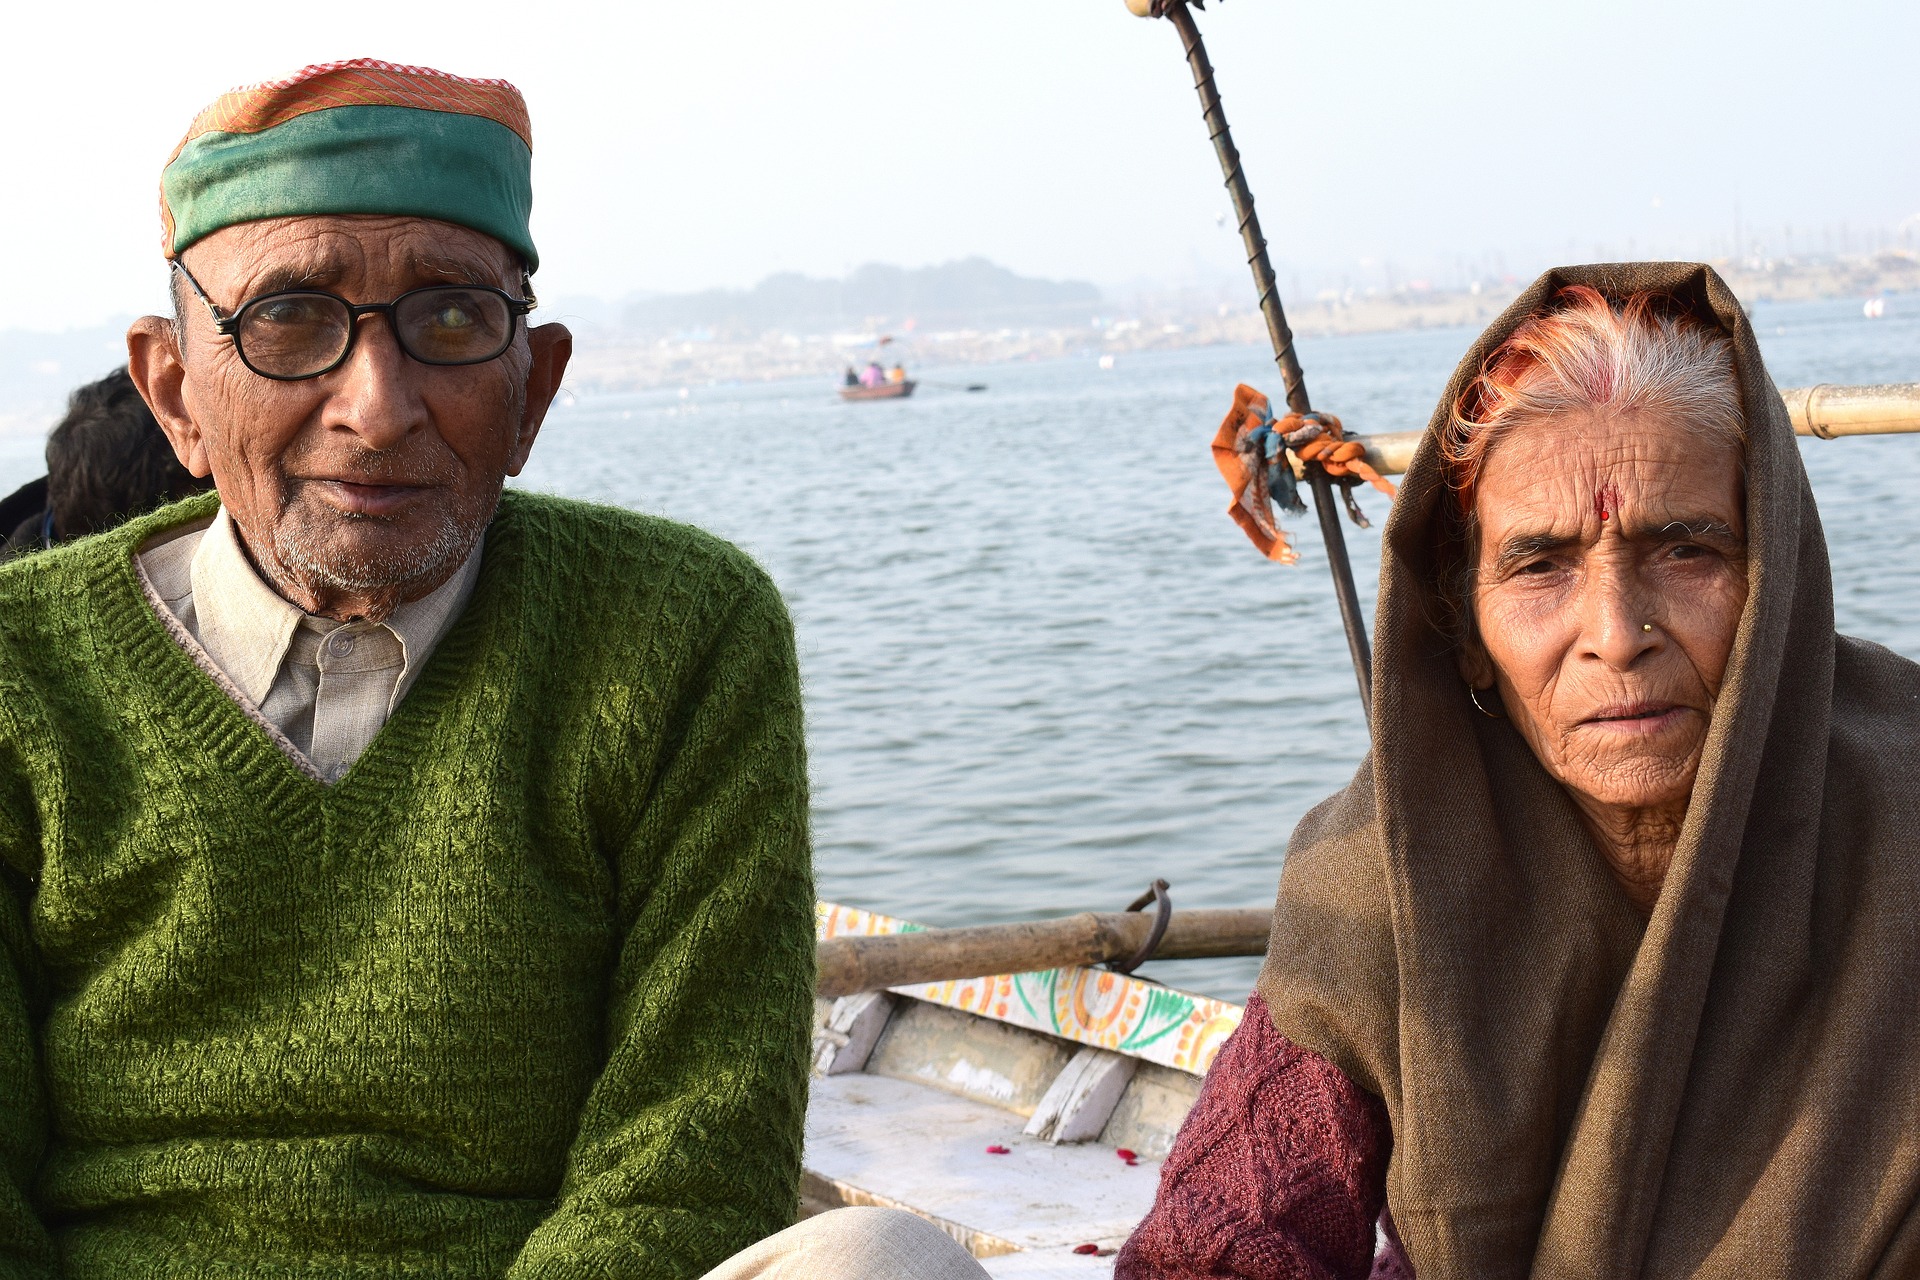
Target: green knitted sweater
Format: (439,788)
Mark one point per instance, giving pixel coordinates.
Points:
(525,994)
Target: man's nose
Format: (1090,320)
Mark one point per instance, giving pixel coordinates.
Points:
(378,396)
(1618,616)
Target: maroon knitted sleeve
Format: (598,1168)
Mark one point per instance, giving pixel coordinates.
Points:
(1279,1173)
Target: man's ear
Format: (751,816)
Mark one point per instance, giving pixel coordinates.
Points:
(552,346)
(154,364)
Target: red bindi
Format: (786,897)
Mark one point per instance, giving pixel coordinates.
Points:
(1606,500)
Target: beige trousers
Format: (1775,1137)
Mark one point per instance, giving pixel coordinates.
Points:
(854,1244)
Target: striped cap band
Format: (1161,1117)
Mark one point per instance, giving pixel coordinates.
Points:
(360,136)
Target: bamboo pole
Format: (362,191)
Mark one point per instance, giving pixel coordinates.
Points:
(1391,452)
(852,964)
(1826,411)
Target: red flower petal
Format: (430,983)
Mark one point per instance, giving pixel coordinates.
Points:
(997,1150)
(1126,1155)
(1086,1248)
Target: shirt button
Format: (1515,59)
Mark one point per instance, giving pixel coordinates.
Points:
(340,644)
(337,772)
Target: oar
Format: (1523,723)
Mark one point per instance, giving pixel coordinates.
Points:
(1826,411)
(1176,12)
(855,964)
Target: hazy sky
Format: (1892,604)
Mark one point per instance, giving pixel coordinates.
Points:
(683,145)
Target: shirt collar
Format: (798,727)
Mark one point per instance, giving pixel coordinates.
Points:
(420,624)
(247,627)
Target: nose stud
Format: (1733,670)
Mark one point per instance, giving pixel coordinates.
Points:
(1646,626)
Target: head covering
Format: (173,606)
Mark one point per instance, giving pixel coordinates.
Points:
(356,137)
(1724,1089)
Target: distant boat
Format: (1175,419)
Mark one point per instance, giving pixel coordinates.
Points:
(885,391)
(1875,308)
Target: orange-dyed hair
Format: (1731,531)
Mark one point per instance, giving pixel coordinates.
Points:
(1639,354)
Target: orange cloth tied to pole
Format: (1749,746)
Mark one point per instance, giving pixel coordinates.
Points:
(1245,470)
(1239,451)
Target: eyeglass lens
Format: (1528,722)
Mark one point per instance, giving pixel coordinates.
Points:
(294,335)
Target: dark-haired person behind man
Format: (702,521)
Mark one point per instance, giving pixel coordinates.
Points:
(107,459)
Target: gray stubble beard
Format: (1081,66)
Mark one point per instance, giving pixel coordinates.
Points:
(315,556)
(307,548)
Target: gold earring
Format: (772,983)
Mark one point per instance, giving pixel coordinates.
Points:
(1474,695)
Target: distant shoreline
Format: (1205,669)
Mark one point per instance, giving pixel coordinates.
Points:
(617,363)
(38,370)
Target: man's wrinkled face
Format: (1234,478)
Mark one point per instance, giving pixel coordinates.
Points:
(371,482)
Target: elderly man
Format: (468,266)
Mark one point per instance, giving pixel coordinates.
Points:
(397,877)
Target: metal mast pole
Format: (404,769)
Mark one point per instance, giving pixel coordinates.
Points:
(1282,337)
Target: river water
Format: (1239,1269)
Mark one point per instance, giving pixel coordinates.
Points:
(1042,666)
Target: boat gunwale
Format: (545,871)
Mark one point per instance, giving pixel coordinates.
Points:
(1098,1008)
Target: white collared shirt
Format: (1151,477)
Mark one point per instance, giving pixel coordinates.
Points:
(327,686)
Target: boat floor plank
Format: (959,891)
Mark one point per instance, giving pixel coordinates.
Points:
(883,1140)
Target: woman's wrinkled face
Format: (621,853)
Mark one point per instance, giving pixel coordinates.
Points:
(1611,575)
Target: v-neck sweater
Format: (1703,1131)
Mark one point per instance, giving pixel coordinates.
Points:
(327,685)
(525,994)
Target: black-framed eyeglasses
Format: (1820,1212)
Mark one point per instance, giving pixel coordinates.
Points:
(302,333)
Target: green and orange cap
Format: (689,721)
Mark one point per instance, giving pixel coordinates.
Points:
(359,136)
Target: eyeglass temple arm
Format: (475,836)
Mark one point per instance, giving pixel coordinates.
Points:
(222,324)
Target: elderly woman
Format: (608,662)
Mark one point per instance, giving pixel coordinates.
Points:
(1606,962)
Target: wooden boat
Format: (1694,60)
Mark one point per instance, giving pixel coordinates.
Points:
(885,391)
(1024,1114)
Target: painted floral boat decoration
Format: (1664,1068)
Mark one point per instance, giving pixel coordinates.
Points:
(1087,1006)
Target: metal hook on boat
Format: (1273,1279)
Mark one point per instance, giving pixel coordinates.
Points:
(1162,916)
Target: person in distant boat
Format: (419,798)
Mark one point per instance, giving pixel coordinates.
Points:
(107,459)
(853,377)
(397,876)
(1604,964)
(897,373)
(873,375)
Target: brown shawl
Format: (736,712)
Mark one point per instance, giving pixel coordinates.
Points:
(1727,1089)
